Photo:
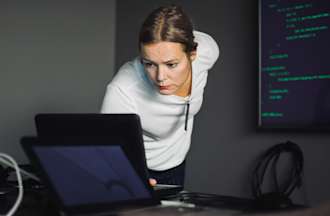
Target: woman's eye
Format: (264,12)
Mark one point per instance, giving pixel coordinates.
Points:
(172,65)
(147,64)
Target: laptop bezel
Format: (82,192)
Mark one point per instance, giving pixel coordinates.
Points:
(29,142)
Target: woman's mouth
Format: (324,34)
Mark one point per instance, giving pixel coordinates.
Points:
(163,87)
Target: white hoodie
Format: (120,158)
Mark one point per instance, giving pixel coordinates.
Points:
(162,117)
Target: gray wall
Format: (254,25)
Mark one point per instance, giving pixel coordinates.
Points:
(55,56)
(225,141)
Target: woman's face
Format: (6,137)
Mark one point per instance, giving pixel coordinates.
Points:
(168,66)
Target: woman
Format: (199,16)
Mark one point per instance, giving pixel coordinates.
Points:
(164,86)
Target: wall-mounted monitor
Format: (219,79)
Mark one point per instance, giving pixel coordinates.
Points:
(294,64)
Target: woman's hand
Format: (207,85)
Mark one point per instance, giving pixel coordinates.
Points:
(152,182)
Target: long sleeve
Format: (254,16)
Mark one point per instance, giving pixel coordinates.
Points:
(117,101)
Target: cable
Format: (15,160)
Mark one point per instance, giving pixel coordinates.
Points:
(9,159)
(26,173)
(270,160)
(213,200)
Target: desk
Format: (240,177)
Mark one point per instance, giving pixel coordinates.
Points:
(38,204)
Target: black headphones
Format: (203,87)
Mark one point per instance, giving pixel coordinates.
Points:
(279,198)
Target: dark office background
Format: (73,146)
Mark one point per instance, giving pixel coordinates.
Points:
(57,56)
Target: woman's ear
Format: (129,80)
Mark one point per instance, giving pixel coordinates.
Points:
(193,55)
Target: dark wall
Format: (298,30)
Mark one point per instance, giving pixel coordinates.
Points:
(225,142)
(55,56)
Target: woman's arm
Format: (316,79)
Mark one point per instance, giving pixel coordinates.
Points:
(116,100)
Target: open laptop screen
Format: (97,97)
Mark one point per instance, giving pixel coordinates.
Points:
(85,128)
(91,174)
(89,178)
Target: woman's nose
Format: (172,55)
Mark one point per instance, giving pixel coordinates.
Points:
(161,74)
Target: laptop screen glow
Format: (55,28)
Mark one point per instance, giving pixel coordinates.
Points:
(91,174)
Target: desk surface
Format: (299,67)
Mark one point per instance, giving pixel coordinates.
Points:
(38,204)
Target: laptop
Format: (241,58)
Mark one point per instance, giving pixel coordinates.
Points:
(98,179)
(125,128)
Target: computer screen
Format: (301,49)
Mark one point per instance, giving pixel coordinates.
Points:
(294,64)
(90,174)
